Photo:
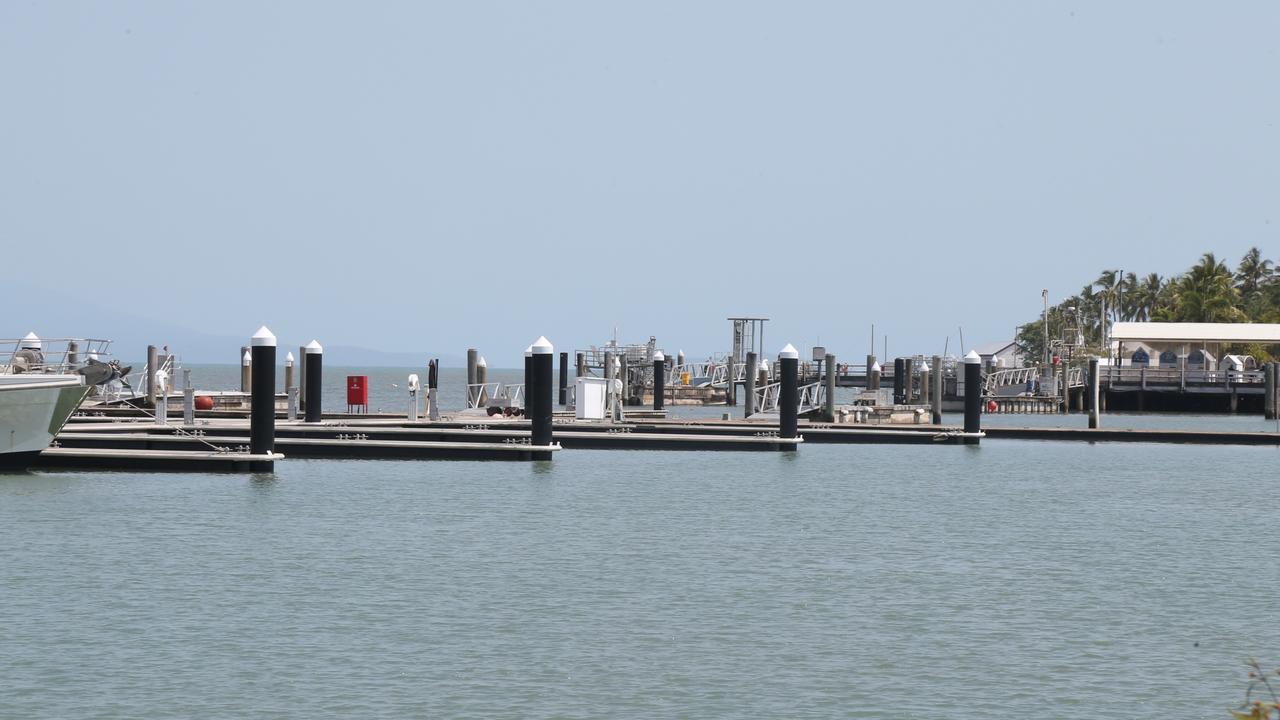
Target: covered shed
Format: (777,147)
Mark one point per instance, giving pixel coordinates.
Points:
(1192,345)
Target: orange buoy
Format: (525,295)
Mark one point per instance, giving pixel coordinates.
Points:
(204,402)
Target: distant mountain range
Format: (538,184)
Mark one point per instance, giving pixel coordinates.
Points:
(130,334)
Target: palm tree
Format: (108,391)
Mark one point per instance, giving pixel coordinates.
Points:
(1108,284)
(1207,293)
(1253,272)
(1145,296)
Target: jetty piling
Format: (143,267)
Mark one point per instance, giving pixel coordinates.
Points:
(188,399)
(753,370)
(433,383)
(659,380)
(1094,377)
(935,398)
(413,398)
(473,355)
(540,396)
(262,411)
(246,372)
(1269,390)
(302,378)
(829,402)
(564,379)
(972,397)
(899,396)
(313,376)
(789,396)
(288,373)
(153,359)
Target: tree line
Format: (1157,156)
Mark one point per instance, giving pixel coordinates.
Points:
(1207,292)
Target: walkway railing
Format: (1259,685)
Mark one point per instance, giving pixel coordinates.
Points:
(812,397)
(1141,375)
(495,394)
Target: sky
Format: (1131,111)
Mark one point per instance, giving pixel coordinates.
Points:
(436,176)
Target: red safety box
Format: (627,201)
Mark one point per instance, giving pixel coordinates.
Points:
(357,391)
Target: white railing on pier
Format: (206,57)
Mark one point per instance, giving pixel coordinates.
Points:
(1142,375)
(495,394)
(1018,377)
(768,397)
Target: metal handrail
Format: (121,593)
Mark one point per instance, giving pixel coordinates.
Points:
(811,397)
(495,393)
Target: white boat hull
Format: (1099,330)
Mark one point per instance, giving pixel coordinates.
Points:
(33,410)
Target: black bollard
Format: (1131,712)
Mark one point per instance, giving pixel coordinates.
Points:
(473,393)
(1269,409)
(659,380)
(564,379)
(313,375)
(789,397)
(541,373)
(1094,378)
(262,408)
(433,382)
(528,381)
(972,396)
(899,385)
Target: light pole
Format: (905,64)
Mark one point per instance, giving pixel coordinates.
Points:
(1044,323)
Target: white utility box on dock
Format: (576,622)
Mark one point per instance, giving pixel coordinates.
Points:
(589,398)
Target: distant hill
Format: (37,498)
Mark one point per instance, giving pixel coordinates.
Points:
(130,334)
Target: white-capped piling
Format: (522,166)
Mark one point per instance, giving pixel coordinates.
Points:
(162,398)
(935,397)
(262,409)
(482,377)
(789,395)
(873,375)
(753,372)
(829,403)
(246,371)
(972,396)
(288,373)
(563,395)
(412,414)
(659,380)
(679,358)
(290,390)
(153,359)
(540,421)
(926,377)
(313,376)
(1094,377)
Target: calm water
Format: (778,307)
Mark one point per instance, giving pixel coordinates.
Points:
(1070,581)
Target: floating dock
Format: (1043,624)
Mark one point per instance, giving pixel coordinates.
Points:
(118,457)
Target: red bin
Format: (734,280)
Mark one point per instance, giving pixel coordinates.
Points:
(358,390)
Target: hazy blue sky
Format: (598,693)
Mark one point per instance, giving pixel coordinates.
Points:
(438,175)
